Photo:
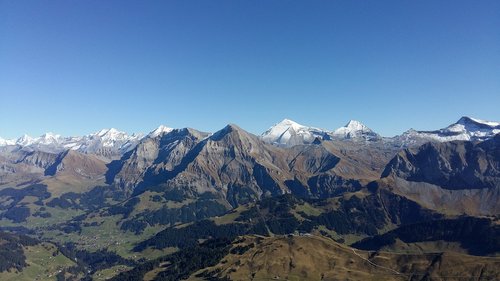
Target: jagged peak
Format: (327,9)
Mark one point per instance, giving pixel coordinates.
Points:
(228,129)
(25,140)
(162,129)
(352,127)
(50,135)
(232,127)
(356,130)
(109,132)
(25,136)
(356,125)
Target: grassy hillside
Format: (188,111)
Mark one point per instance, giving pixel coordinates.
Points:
(43,262)
(309,257)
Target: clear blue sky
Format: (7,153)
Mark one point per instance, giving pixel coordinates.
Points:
(74,67)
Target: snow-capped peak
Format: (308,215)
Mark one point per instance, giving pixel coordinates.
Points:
(25,140)
(114,141)
(281,127)
(288,132)
(110,133)
(162,129)
(4,142)
(466,128)
(354,125)
(113,137)
(289,123)
(48,138)
(355,129)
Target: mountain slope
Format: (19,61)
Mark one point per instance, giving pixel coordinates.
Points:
(319,258)
(72,163)
(160,150)
(452,177)
(451,165)
(221,164)
(239,167)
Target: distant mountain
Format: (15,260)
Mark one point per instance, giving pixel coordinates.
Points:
(162,129)
(4,142)
(112,144)
(289,133)
(466,128)
(108,143)
(355,130)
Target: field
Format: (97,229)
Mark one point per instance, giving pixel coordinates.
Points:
(42,264)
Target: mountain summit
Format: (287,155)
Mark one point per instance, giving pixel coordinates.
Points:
(355,129)
(162,129)
(289,133)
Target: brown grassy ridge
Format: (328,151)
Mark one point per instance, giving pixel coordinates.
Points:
(318,258)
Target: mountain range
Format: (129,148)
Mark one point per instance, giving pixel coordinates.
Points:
(109,143)
(137,207)
(113,142)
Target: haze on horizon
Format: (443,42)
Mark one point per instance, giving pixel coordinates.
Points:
(76,67)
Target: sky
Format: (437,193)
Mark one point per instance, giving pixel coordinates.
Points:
(75,67)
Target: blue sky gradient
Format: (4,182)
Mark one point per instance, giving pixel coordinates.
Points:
(74,67)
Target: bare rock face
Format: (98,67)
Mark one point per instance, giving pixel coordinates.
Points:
(459,177)
(311,159)
(153,155)
(229,163)
(24,165)
(451,165)
(232,165)
(37,158)
(76,164)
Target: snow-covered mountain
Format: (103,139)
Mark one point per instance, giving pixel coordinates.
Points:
(466,128)
(4,142)
(289,133)
(112,143)
(355,130)
(109,143)
(162,129)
